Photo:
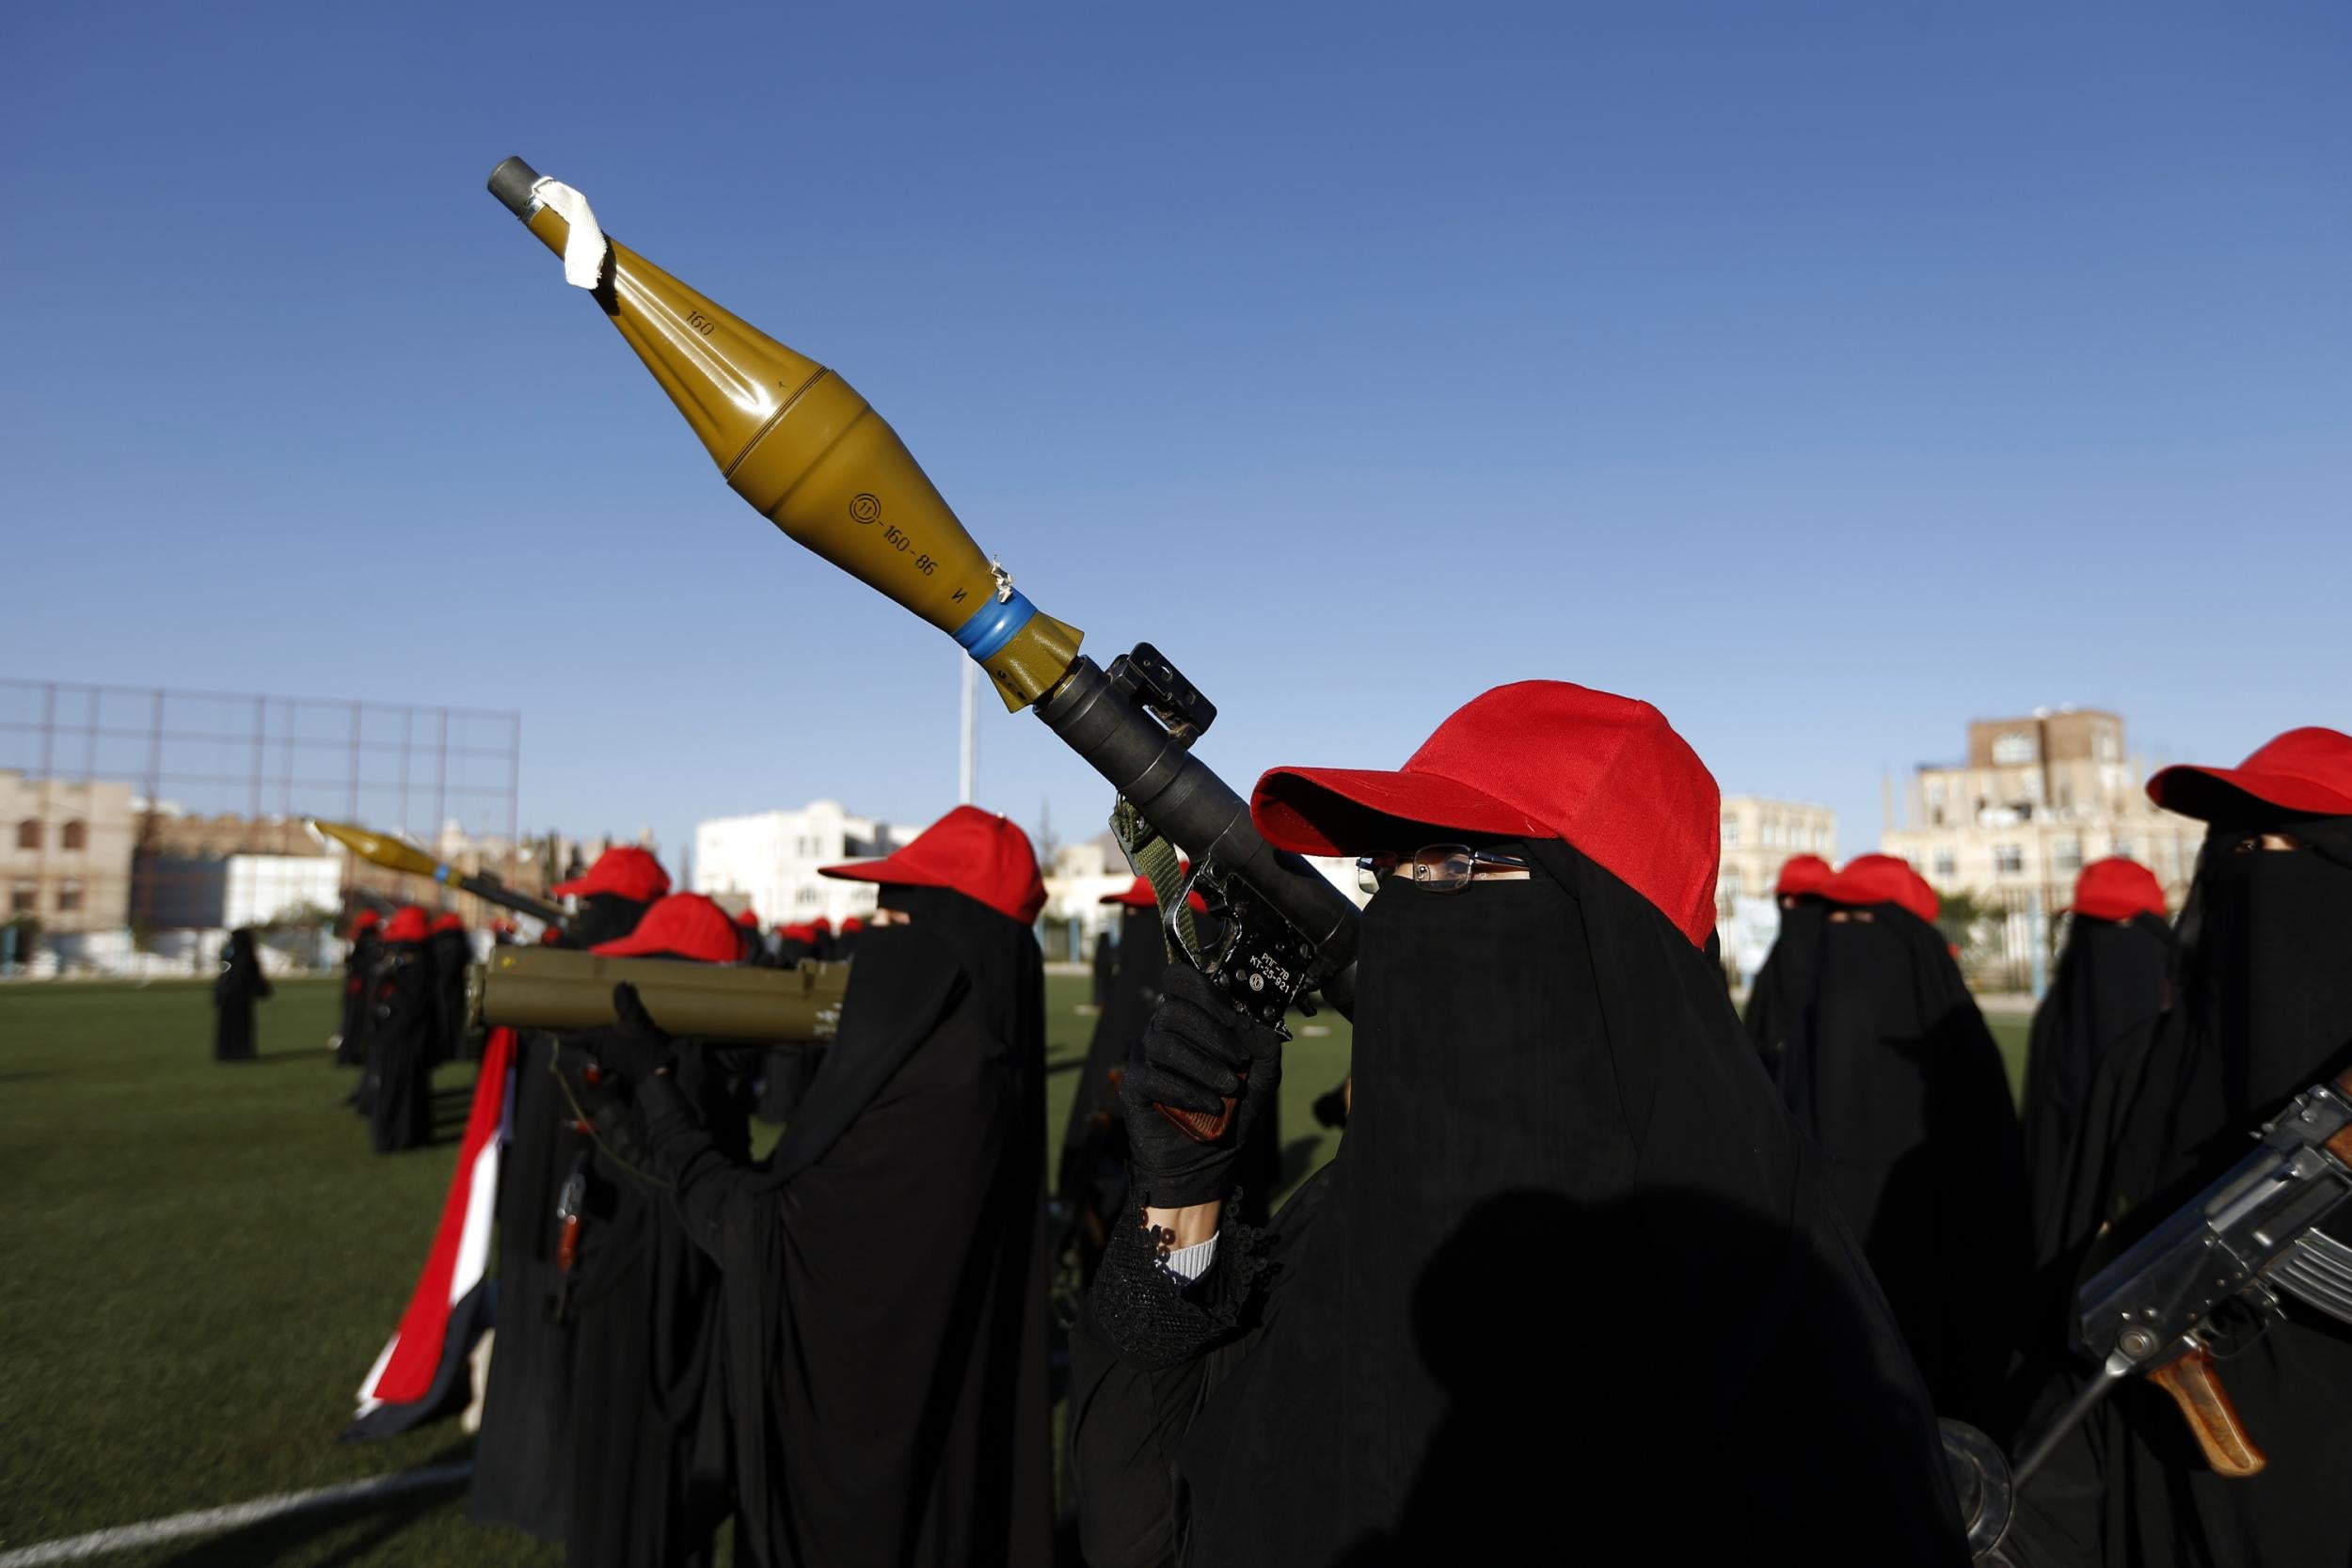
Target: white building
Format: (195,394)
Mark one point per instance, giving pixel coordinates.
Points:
(769,861)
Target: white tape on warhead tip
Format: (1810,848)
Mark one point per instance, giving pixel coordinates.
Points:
(585,251)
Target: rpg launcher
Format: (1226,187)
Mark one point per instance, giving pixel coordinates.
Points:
(394,854)
(559,989)
(2251,1237)
(799,443)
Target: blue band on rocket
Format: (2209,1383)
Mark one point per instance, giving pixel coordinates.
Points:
(993,625)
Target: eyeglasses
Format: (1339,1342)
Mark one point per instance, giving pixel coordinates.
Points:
(1438,868)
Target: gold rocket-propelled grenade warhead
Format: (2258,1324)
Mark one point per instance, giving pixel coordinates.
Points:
(394,854)
(379,849)
(802,446)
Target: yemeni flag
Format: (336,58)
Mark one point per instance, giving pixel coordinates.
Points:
(422,1374)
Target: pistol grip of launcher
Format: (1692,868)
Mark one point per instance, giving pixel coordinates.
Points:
(2212,1419)
(1200,1126)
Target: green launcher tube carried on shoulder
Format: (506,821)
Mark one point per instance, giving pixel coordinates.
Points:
(557,989)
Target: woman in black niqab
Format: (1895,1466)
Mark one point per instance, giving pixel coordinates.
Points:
(1895,1078)
(2263,1011)
(523,1457)
(884,1271)
(239,985)
(402,1029)
(1784,987)
(2109,990)
(351,1045)
(1570,1277)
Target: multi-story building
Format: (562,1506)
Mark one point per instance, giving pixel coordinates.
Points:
(67,852)
(1758,837)
(2036,798)
(768,861)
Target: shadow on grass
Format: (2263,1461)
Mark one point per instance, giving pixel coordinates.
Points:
(379,1521)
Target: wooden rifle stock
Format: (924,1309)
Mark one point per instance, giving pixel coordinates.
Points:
(2212,1418)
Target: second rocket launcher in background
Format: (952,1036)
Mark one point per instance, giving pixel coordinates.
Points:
(394,854)
(802,446)
(553,987)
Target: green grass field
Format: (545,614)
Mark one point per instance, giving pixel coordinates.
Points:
(203,1260)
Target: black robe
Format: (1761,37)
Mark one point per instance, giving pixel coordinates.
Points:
(402,1029)
(239,985)
(648,1439)
(1895,1075)
(1571,1280)
(884,1271)
(351,1048)
(2263,1010)
(1091,1184)
(2110,991)
(451,952)
(1784,987)
(523,1456)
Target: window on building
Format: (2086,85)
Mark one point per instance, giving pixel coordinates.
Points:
(808,895)
(76,835)
(23,898)
(1946,866)
(2066,856)
(2121,846)
(1731,884)
(1731,832)
(2014,749)
(29,833)
(69,898)
(2008,859)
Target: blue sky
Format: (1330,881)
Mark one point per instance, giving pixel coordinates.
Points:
(1827,374)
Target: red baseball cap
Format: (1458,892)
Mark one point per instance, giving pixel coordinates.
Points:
(1803,874)
(448,920)
(1535,759)
(975,852)
(409,925)
(682,925)
(2117,888)
(2307,771)
(625,871)
(853,926)
(366,920)
(1139,895)
(1883,880)
(749,919)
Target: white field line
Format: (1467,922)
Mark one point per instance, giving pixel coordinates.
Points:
(212,1521)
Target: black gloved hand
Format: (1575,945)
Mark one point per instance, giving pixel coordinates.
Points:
(1191,1057)
(633,1047)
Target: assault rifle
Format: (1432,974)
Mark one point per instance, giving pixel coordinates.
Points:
(2253,1238)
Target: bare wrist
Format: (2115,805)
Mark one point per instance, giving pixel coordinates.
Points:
(1189,1226)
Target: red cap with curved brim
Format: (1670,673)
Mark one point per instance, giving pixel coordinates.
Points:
(2117,888)
(624,871)
(683,925)
(366,920)
(1800,874)
(448,920)
(975,852)
(853,926)
(823,925)
(1535,759)
(410,925)
(2306,772)
(1139,895)
(1883,880)
(748,919)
